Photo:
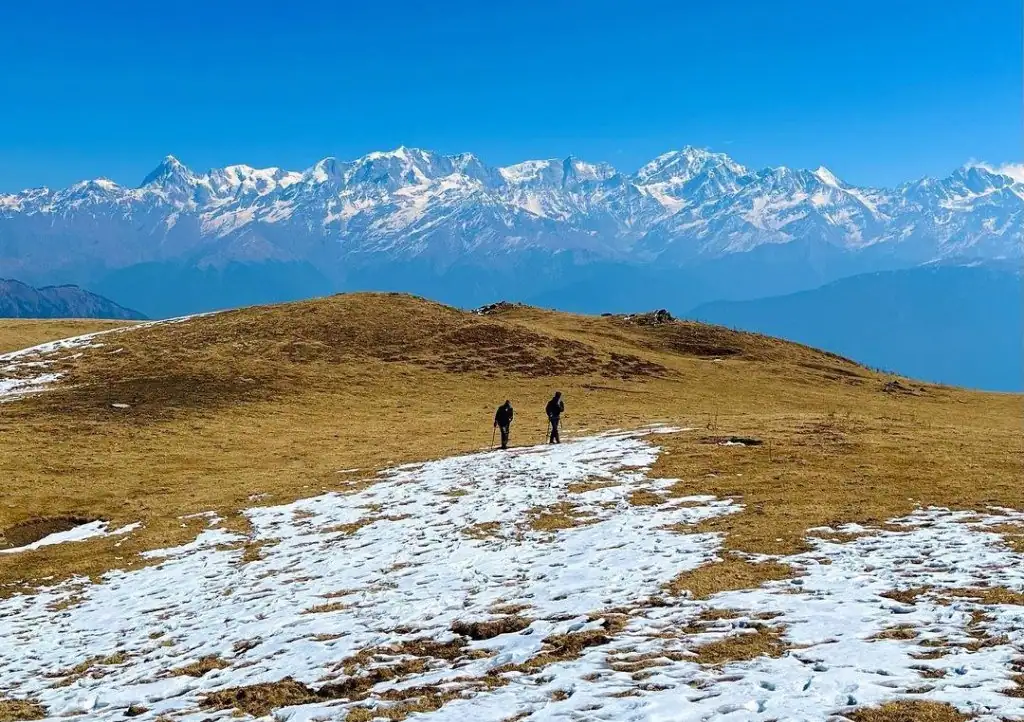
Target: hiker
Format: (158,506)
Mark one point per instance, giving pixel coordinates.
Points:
(503,420)
(555,409)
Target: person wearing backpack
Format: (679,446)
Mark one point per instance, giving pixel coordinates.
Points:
(554,410)
(503,421)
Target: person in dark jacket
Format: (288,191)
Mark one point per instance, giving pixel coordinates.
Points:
(555,409)
(503,420)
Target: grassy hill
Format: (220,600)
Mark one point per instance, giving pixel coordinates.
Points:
(20,333)
(267,404)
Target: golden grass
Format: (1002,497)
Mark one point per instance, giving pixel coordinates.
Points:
(644,497)
(562,515)
(582,487)
(762,642)
(92,667)
(201,666)
(909,711)
(907,596)
(483,530)
(19,333)
(725,576)
(325,608)
(259,700)
(13,710)
(275,400)
(989,595)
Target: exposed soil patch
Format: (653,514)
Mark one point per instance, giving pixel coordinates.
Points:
(733,440)
(899,389)
(32,530)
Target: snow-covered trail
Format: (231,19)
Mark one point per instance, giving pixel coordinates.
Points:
(323,580)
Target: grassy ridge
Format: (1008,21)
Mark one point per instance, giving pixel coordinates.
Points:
(269,403)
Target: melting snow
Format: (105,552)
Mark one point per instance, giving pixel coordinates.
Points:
(24,371)
(445,541)
(81,532)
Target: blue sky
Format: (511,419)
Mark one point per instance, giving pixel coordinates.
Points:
(880,92)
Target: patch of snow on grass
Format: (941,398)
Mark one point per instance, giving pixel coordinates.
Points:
(18,387)
(323,579)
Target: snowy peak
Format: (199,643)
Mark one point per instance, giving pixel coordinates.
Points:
(409,203)
(171,171)
(327,170)
(680,166)
(827,177)
(554,173)
(580,171)
(245,180)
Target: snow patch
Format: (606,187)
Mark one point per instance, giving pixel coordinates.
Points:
(91,530)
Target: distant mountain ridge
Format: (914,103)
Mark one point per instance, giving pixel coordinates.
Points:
(19,300)
(410,205)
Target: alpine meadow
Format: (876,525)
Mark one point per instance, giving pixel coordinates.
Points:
(512,362)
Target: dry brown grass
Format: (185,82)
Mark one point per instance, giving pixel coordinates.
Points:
(274,400)
(761,642)
(390,663)
(19,333)
(1013,535)
(1017,690)
(909,711)
(989,595)
(326,608)
(562,515)
(261,699)
(907,596)
(582,487)
(200,667)
(644,497)
(899,632)
(491,628)
(14,710)
(726,576)
(483,530)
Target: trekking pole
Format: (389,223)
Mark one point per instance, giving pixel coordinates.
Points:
(493,429)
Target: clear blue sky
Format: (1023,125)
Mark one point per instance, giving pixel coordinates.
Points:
(879,91)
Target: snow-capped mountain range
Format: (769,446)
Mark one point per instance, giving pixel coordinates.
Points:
(408,205)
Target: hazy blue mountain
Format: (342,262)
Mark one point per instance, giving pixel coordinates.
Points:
(19,300)
(168,289)
(951,324)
